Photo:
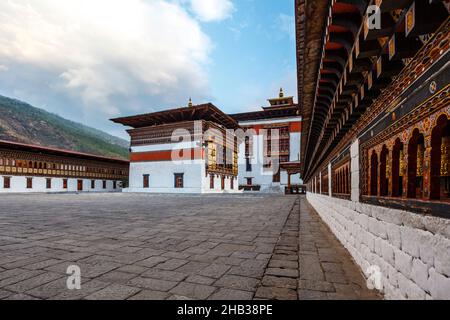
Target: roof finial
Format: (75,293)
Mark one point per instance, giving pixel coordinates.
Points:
(281,93)
(190,103)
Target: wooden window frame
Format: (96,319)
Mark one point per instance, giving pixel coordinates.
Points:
(211,181)
(146,181)
(29,183)
(176,185)
(6,182)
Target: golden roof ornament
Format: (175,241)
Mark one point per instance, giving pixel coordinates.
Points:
(281,93)
(190,105)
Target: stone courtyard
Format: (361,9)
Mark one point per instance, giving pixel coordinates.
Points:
(136,246)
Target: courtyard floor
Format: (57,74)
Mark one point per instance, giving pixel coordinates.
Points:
(135,246)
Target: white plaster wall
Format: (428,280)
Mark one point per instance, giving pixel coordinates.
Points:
(167,146)
(218,185)
(354,167)
(411,250)
(19,185)
(258,173)
(162,176)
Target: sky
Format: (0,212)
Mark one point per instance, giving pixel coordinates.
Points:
(92,60)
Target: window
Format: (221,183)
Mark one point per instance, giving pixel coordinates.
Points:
(6,182)
(64,183)
(29,183)
(114,184)
(80,185)
(248,165)
(249,181)
(49,183)
(104,184)
(92,184)
(146,182)
(232,183)
(211,181)
(179,180)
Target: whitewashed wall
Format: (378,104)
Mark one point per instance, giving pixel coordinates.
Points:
(258,174)
(19,185)
(161,176)
(411,250)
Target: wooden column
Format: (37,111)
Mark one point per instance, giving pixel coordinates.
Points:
(405,171)
(369,173)
(391,163)
(378,173)
(427,168)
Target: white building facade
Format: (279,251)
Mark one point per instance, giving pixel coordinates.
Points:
(269,160)
(185,150)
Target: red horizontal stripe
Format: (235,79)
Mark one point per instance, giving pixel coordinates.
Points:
(166,155)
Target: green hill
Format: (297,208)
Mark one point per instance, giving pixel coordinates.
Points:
(21,122)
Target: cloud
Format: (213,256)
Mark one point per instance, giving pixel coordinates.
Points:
(3,68)
(212,10)
(108,57)
(286,24)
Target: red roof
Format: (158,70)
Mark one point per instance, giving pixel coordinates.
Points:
(58,152)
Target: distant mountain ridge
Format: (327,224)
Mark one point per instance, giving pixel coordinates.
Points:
(21,122)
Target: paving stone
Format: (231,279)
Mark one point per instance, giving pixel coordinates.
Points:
(200,280)
(193,267)
(283,264)
(150,295)
(20,297)
(134,269)
(189,237)
(87,288)
(4,294)
(152,284)
(194,291)
(231,294)
(290,273)
(152,261)
(237,282)
(315,285)
(25,274)
(31,283)
(114,292)
(274,293)
(311,295)
(116,277)
(164,275)
(336,277)
(42,264)
(50,289)
(214,271)
(279,282)
(172,264)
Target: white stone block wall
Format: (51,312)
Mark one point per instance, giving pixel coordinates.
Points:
(411,250)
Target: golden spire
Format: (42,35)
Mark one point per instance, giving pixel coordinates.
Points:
(281,93)
(190,103)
